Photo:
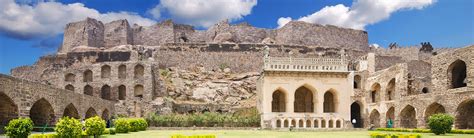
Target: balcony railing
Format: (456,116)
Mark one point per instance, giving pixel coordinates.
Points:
(305,64)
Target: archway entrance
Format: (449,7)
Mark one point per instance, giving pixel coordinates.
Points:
(278,101)
(390,90)
(408,117)
(457,74)
(303,100)
(375,118)
(8,110)
(329,104)
(90,113)
(375,93)
(105,114)
(434,108)
(71,111)
(465,115)
(356,114)
(42,113)
(391,115)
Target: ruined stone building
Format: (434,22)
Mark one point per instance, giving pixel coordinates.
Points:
(317,76)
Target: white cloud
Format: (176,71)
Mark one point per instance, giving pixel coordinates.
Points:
(361,13)
(204,13)
(49,18)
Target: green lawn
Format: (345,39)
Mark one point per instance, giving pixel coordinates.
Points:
(266,134)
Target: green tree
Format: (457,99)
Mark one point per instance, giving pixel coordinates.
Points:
(19,128)
(68,127)
(440,123)
(95,126)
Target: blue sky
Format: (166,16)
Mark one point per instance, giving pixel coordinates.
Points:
(444,23)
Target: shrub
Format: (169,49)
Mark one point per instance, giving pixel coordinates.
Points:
(111,131)
(95,126)
(440,123)
(121,125)
(382,135)
(192,136)
(68,127)
(48,135)
(19,128)
(133,125)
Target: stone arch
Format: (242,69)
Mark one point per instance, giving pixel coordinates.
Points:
(323,123)
(301,123)
(457,74)
(390,90)
(69,77)
(356,113)
(88,90)
(316,123)
(71,111)
(279,101)
(88,76)
(432,109)
(308,123)
(465,115)
(357,81)
(8,110)
(122,92)
(105,71)
(69,87)
(375,93)
(330,102)
(293,123)
(286,123)
(138,90)
(338,123)
(303,100)
(139,71)
(390,115)
(105,114)
(105,92)
(122,72)
(374,118)
(90,113)
(278,123)
(331,123)
(42,113)
(407,117)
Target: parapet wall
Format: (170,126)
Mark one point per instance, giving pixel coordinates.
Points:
(93,33)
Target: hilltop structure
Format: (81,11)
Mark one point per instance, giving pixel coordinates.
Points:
(304,75)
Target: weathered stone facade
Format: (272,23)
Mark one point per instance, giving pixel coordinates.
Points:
(170,67)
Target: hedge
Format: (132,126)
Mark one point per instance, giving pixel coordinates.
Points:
(246,118)
(382,135)
(419,130)
(19,128)
(192,136)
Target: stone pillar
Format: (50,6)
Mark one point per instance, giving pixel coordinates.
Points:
(371,63)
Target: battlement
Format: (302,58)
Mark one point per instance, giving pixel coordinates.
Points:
(305,64)
(95,34)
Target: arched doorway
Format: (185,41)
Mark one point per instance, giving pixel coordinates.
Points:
(88,90)
(105,71)
(357,82)
(71,111)
(122,72)
(8,110)
(356,114)
(90,113)
(42,113)
(432,109)
(278,101)
(329,103)
(465,115)
(278,123)
(139,71)
(122,92)
(390,90)
(138,90)
(87,76)
(457,74)
(375,93)
(69,87)
(390,115)
(408,117)
(374,118)
(303,100)
(105,92)
(105,114)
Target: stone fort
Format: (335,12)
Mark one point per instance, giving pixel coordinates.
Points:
(303,75)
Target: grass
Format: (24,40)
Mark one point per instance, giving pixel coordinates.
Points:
(267,134)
